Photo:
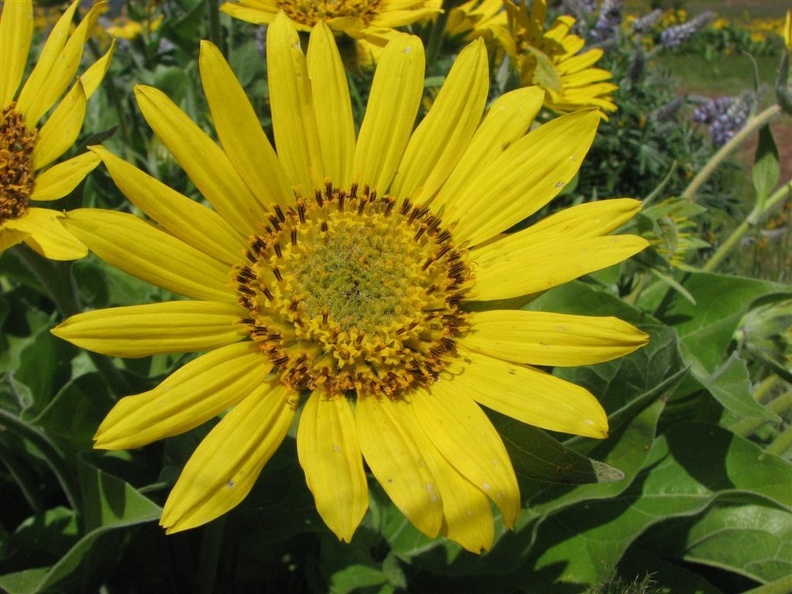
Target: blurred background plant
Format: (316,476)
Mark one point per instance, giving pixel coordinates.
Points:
(693,489)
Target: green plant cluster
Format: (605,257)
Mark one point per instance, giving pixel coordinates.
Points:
(691,492)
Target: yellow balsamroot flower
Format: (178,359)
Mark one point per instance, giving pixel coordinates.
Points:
(478,18)
(339,272)
(27,152)
(787,33)
(372,20)
(552,60)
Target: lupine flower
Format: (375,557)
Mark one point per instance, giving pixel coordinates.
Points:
(725,116)
(28,152)
(675,36)
(338,270)
(608,22)
(647,22)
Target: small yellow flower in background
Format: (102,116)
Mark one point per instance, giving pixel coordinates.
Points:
(372,20)
(552,60)
(478,18)
(27,153)
(787,32)
(340,270)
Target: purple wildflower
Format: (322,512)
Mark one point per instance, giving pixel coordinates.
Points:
(678,34)
(725,116)
(608,22)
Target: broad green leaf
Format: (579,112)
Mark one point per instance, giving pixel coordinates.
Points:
(670,576)
(536,455)
(689,467)
(750,537)
(730,384)
(766,168)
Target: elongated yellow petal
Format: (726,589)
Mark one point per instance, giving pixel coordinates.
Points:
(94,75)
(527,394)
(393,104)
(16,32)
(508,119)
(467,515)
(333,107)
(142,250)
(226,464)
(522,264)
(57,65)
(204,162)
(143,330)
(329,453)
(530,173)
(543,338)
(43,231)
(10,237)
(58,180)
(207,231)
(197,392)
(60,131)
(386,431)
(442,137)
(240,132)
(463,434)
(292,106)
(250,15)
(590,219)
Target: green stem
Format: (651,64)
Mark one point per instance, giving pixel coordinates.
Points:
(779,406)
(56,279)
(764,388)
(51,454)
(435,42)
(751,220)
(213,7)
(781,444)
(752,126)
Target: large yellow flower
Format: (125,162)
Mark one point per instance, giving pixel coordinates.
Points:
(340,270)
(371,20)
(26,151)
(552,60)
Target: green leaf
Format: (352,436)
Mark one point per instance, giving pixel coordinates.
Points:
(669,576)
(730,384)
(766,168)
(536,455)
(112,507)
(748,537)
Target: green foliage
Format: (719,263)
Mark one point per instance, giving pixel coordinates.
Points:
(691,492)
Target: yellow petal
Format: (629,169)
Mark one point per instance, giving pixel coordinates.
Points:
(334,110)
(292,106)
(240,131)
(207,231)
(60,131)
(257,16)
(463,434)
(16,32)
(467,514)
(10,237)
(58,180)
(527,394)
(143,330)
(508,119)
(440,140)
(227,462)
(522,264)
(329,453)
(140,249)
(395,95)
(543,338)
(386,431)
(94,75)
(590,219)
(204,162)
(44,232)
(530,173)
(192,395)
(57,65)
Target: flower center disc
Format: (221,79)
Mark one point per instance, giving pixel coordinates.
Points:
(311,12)
(347,291)
(16,164)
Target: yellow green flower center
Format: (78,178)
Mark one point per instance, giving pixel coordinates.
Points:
(16,164)
(311,12)
(348,291)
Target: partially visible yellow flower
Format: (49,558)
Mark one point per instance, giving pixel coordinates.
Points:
(478,18)
(373,20)
(27,152)
(552,60)
(788,30)
(338,271)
